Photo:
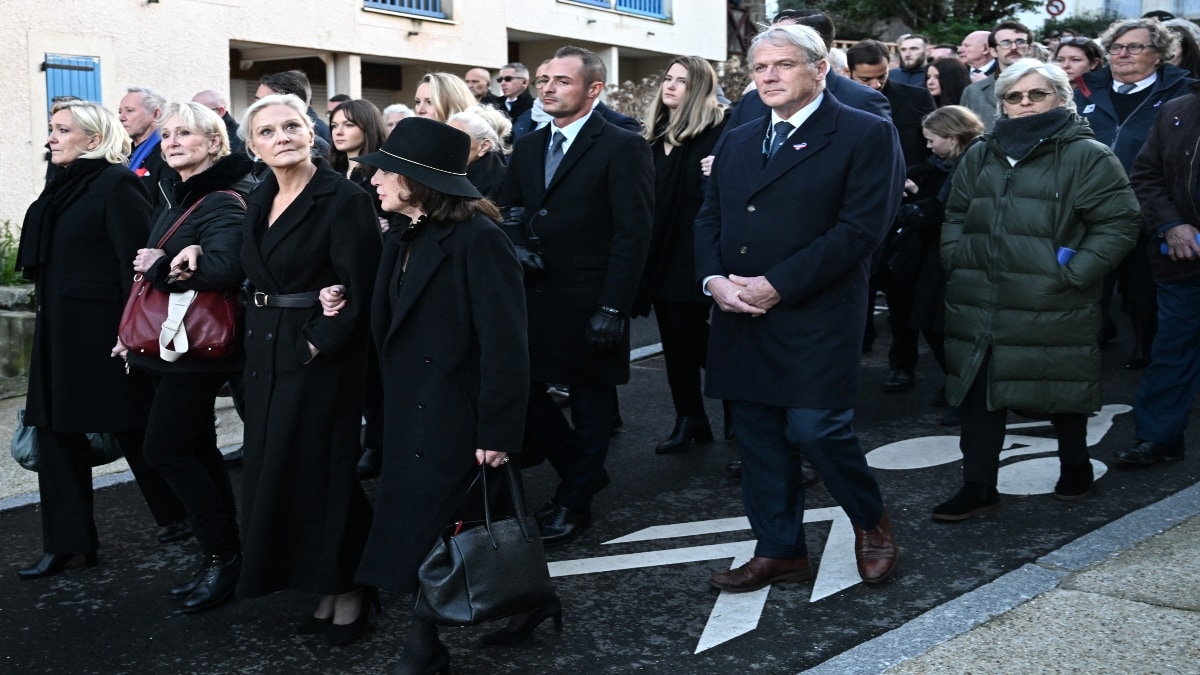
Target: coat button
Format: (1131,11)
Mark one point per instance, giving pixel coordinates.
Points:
(420,406)
(750,209)
(249,333)
(542,212)
(420,454)
(743,249)
(269,336)
(428,360)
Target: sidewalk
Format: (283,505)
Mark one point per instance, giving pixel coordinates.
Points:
(1122,599)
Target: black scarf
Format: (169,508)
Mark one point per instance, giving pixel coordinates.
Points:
(68,186)
(1020,135)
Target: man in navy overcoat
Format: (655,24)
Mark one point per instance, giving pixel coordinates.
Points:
(796,203)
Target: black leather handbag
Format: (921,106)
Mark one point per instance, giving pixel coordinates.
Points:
(485,570)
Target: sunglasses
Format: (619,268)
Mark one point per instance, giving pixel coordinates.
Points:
(1035,95)
(508,78)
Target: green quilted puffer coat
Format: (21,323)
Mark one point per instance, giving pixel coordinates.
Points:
(1007,293)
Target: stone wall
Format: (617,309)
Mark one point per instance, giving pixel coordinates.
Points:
(16,338)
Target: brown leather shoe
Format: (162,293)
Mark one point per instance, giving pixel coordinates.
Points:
(876,551)
(760,572)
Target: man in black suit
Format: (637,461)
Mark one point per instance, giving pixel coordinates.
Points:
(795,205)
(868,63)
(514,87)
(587,190)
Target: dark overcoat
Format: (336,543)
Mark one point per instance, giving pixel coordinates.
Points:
(809,220)
(305,518)
(593,223)
(74,383)
(910,105)
(450,330)
(670,273)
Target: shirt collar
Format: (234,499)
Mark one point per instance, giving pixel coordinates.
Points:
(570,131)
(801,115)
(1139,85)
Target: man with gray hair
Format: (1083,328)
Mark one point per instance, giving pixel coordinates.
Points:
(790,285)
(514,85)
(140,113)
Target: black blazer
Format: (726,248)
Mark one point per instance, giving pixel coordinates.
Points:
(809,221)
(910,105)
(593,223)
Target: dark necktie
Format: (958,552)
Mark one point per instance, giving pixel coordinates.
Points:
(554,156)
(782,131)
(1125,88)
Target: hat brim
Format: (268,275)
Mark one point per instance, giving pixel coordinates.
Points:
(442,181)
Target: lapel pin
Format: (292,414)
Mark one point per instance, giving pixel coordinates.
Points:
(800,146)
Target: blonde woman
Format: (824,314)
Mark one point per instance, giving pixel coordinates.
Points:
(440,95)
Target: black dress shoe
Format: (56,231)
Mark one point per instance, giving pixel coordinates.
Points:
(181,590)
(370,463)
(216,584)
(1149,452)
(235,458)
(340,634)
(545,510)
(53,563)
(899,380)
(175,532)
(687,429)
(521,626)
(563,525)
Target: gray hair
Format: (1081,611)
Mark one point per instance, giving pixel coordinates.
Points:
(1163,39)
(400,109)
(518,68)
(481,126)
(151,100)
(807,40)
(1055,76)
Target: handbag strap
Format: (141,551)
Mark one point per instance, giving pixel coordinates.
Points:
(191,209)
(514,491)
(173,330)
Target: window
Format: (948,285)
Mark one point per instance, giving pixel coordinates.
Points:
(430,8)
(72,76)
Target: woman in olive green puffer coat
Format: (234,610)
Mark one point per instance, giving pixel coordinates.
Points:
(1021,326)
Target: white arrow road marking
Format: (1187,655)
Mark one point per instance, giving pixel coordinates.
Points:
(733,614)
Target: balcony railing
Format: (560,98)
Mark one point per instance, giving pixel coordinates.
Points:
(430,8)
(655,9)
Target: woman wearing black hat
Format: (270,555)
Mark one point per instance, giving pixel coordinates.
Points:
(448,319)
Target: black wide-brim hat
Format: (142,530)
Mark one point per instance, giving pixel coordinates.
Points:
(429,152)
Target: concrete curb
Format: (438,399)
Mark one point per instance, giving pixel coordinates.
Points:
(968,611)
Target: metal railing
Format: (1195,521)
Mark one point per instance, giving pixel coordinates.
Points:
(651,8)
(430,8)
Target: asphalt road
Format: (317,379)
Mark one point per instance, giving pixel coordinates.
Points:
(638,605)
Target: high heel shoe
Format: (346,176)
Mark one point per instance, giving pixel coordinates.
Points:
(338,634)
(312,625)
(53,563)
(438,664)
(687,429)
(520,627)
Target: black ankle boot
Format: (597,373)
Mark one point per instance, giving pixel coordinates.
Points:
(687,429)
(53,563)
(181,590)
(1074,482)
(435,663)
(216,585)
(973,499)
(521,626)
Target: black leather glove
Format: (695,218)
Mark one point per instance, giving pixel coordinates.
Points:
(605,330)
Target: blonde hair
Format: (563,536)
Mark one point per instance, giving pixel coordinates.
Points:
(96,121)
(449,94)
(698,111)
(290,100)
(957,123)
(202,119)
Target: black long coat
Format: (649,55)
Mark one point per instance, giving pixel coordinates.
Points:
(808,220)
(594,224)
(74,385)
(305,518)
(455,364)
(670,273)
(910,105)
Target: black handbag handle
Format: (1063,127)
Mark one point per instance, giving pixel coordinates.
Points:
(514,491)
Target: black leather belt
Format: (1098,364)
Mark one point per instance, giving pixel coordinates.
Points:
(286,300)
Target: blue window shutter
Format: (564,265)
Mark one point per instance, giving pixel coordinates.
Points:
(72,76)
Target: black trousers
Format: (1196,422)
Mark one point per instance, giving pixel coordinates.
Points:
(65,486)
(577,454)
(902,354)
(683,329)
(181,444)
(983,434)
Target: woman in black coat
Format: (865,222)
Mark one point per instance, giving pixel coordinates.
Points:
(448,318)
(488,159)
(202,255)
(683,125)
(77,241)
(305,517)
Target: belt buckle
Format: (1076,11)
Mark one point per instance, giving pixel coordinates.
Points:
(260,299)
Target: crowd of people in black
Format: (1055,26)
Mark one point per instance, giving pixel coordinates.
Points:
(435,274)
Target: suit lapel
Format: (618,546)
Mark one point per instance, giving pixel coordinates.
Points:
(323,182)
(423,260)
(257,209)
(584,140)
(804,143)
(381,300)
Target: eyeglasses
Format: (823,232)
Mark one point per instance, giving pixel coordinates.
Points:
(1075,41)
(541,82)
(1035,95)
(508,78)
(1134,48)
(1005,44)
